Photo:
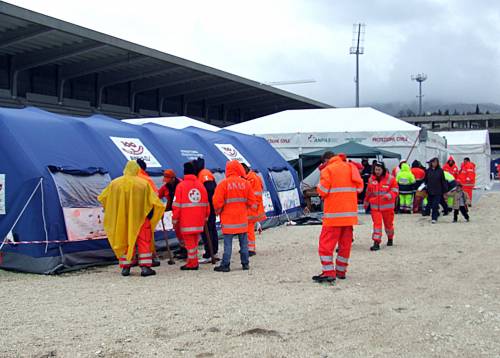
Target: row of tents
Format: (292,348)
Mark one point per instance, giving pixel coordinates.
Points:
(54,166)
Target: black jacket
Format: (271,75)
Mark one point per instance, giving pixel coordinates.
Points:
(435,181)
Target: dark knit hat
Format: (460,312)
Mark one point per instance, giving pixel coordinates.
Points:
(189,168)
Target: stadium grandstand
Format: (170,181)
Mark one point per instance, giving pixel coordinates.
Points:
(65,68)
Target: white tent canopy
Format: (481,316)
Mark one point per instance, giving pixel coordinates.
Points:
(476,146)
(294,132)
(174,122)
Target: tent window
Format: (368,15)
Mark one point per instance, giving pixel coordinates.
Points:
(283,180)
(83,214)
(76,191)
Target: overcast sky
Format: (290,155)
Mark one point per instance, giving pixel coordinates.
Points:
(455,42)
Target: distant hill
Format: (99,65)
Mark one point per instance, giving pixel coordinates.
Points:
(397,108)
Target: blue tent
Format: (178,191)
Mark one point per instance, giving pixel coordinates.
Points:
(53,167)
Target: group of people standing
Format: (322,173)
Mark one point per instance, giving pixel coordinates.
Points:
(342,183)
(133,209)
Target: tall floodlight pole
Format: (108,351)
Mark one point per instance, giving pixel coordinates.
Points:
(358,38)
(421,77)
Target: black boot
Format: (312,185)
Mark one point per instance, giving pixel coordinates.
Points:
(222,268)
(126,271)
(322,278)
(251,253)
(375,247)
(147,271)
(245,267)
(389,242)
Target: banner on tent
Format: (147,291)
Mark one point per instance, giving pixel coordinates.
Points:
(191,154)
(231,153)
(84,223)
(2,194)
(289,199)
(133,149)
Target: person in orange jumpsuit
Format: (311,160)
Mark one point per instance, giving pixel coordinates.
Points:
(255,215)
(451,167)
(381,195)
(190,211)
(131,212)
(233,199)
(340,182)
(467,176)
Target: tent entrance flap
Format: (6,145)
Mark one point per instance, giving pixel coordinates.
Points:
(82,212)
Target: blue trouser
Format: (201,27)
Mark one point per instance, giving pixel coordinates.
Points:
(434,201)
(228,249)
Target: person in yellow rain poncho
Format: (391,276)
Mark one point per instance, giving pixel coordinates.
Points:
(131,212)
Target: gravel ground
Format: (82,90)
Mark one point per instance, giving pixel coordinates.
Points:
(434,294)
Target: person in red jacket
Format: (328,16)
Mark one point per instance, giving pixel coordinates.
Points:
(418,171)
(232,200)
(167,192)
(381,196)
(255,215)
(451,167)
(190,211)
(467,176)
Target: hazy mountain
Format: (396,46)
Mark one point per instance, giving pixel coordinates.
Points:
(394,108)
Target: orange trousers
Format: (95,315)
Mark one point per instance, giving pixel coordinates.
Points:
(251,237)
(387,218)
(143,247)
(328,239)
(191,243)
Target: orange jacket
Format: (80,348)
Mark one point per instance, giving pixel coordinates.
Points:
(233,198)
(381,195)
(190,208)
(142,174)
(452,169)
(418,173)
(338,187)
(205,175)
(467,174)
(255,181)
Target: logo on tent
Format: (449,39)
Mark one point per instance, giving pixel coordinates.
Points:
(313,139)
(132,148)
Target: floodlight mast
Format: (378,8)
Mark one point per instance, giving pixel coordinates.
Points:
(421,77)
(358,38)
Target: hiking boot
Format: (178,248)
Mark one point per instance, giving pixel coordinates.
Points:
(245,267)
(322,278)
(375,247)
(251,253)
(186,268)
(206,255)
(222,268)
(389,242)
(126,271)
(147,271)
